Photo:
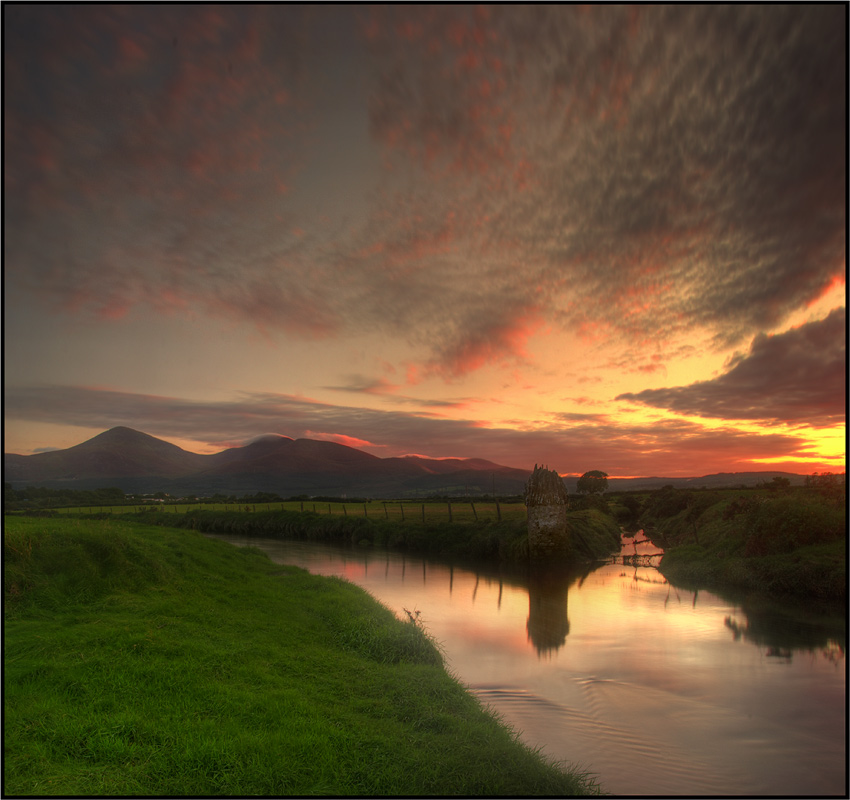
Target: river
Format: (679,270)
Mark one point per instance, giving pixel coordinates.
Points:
(654,689)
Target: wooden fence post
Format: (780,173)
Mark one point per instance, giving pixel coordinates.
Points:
(344,512)
(474,514)
(365,512)
(423,512)
(450,510)
(329,508)
(401,506)
(498,512)
(386,513)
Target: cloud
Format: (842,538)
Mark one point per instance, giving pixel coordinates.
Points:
(381,387)
(569,444)
(339,438)
(149,155)
(658,207)
(360,384)
(631,174)
(797,377)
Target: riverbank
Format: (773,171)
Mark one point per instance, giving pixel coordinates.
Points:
(785,545)
(150,660)
(817,573)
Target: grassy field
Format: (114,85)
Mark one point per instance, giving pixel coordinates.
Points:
(150,660)
(396,510)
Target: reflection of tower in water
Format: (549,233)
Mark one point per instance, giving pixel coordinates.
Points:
(548,625)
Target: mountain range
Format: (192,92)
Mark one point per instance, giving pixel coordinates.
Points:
(138,463)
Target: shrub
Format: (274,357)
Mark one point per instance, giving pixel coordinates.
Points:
(593,533)
(782,524)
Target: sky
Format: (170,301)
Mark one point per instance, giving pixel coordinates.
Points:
(591,237)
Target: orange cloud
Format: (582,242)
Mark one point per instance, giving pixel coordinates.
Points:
(493,340)
(338,438)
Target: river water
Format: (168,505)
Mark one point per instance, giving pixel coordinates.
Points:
(654,689)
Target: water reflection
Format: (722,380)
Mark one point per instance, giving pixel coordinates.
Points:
(548,586)
(782,631)
(548,624)
(657,688)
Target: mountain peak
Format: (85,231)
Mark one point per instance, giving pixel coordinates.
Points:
(121,435)
(269,437)
(123,432)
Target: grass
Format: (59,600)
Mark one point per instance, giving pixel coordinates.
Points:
(783,546)
(786,542)
(150,660)
(816,572)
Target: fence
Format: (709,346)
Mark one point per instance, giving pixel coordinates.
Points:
(400,511)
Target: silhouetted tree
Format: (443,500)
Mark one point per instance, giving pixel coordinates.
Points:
(593,482)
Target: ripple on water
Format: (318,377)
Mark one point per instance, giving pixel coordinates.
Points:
(587,737)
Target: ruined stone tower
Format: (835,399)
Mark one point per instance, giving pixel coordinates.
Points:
(546,500)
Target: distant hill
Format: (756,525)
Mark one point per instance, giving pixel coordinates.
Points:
(136,462)
(718,480)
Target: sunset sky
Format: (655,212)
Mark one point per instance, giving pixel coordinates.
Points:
(592,237)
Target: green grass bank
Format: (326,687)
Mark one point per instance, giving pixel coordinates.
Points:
(151,660)
(784,544)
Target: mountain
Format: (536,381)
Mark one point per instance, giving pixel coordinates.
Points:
(138,463)
(115,454)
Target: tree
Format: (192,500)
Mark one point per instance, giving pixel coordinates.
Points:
(633,508)
(697,504)
(778,484)
(828,485)
(593,482)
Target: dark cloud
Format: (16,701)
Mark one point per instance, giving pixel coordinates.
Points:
(140,171)
(683,167)
(798,377)
(569,444)
(567,416)
(361,384)
(634,174)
